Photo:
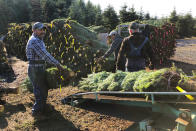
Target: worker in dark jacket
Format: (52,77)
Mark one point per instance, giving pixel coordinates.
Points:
(136,49)
(116,41)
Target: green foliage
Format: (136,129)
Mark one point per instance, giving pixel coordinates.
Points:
(185,24)
(86,14)
(81,33)
(27,85)
(173,16)
(151,80)
(147,16)
(20,34)
(55,9)
(98,29)
(133,14)
(3,53)
(106,83)
(36,13)
(141,14)
(124,15)
(13,10)
(63,7)
(90,83)
(20,7)
(4,67)
(98,17)
(69,42)
(112,82)
(110,18)
(46,10)
(132,81)
(116,81)
(157,23)
(50,11)
(19,11)
(130,14)
(53,79)
(90,14)
(76,12)
(3,17)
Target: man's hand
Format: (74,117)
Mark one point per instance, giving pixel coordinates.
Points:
(99,59)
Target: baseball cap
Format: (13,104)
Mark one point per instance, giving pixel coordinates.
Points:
(38,25)
(133,25)
(112,33)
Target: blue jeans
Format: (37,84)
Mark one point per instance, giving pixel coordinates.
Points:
(37,77)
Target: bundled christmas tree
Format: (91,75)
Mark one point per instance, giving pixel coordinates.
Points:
(142,81)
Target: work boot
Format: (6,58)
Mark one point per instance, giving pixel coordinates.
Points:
(48,109)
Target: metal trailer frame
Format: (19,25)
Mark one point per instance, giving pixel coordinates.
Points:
(156,106)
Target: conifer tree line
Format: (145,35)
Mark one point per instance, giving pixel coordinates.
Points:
(186,24)
(87,14)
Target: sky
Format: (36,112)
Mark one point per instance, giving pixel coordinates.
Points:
(159,8)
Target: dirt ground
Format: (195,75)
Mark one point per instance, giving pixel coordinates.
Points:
(88,116)
(19,74)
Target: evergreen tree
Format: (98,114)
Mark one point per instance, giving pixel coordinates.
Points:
(77,11)
(62,6)
(124,15)
(186,24)
(49,10)
(110,18)
(155,18)
(141,14)
(90,14)
(98,17)
(22,11)
(132,14)
(11,10)
(189,24)
(147,16)
(36,14)
(3,16)
(173,16)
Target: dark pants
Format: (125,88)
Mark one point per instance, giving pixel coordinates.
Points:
(121,64)
(135,64)
(37,76)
